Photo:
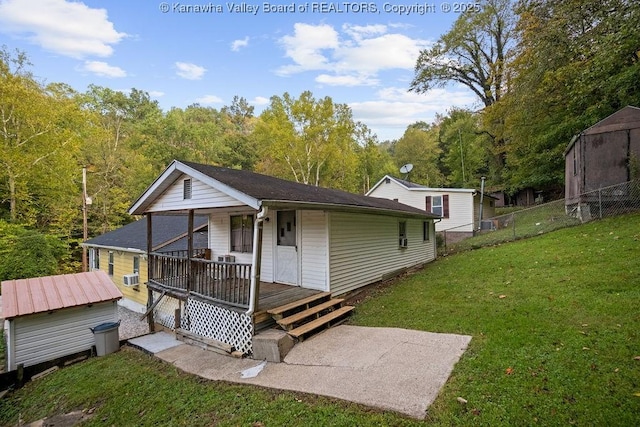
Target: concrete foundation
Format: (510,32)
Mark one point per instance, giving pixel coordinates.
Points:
(272,345)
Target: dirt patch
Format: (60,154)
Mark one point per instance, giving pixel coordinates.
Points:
(66,420)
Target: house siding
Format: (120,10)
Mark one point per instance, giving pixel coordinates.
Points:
(364,248)
(313,247)
(202,196)
(460,204)
(220,242)
(123,264)
(47,336)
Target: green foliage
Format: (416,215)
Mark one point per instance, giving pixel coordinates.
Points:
(419,146)
(577,63)
(27,253)
(473,53)
(309,141)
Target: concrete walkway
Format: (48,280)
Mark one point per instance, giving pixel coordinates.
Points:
(387,368)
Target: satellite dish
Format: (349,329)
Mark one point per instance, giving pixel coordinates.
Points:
(406,168)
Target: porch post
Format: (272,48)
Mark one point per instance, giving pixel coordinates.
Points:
(190,276)
(150,271)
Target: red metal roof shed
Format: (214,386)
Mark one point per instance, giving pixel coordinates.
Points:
(45,294)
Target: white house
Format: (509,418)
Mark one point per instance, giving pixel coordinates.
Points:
(458,207)
(271,241)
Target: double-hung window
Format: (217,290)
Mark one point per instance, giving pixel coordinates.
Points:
(242,233)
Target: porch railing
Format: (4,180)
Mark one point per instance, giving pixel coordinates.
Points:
(223,282)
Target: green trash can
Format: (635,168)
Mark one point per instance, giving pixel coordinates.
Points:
(107,338)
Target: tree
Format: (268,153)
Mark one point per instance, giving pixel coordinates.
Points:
(115,150)
(40,133)
(238,126)
(27,253)
(419,146)
(308,140)
(474,53)
(464,145)
(577,63)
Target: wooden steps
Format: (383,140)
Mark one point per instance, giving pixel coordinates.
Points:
(309,315)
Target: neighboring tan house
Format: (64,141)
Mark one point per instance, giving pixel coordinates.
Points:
(601,156)
(273,242)
(122,253)
(458,207)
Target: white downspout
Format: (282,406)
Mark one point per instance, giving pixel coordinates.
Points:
(256,258)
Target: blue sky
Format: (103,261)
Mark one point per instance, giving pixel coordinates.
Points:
(359,54)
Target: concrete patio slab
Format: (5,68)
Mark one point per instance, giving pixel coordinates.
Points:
(156,342)
(387,368)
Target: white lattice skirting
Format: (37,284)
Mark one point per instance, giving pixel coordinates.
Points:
(207,320)
(165,311)
(219,323)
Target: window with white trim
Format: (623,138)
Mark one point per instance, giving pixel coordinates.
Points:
(110,263)
(402,234)
(136,264)
(241,233)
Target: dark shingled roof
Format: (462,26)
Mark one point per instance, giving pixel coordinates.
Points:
(166,228)
(268,188)
(407,184)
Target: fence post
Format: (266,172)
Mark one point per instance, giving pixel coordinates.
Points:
(600,202)
(513,220)
(444,235)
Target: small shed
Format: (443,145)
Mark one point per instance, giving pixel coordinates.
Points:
(51,317)
(603,155)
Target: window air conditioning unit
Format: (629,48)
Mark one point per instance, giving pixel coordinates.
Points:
(403,242)
(227,258)
(131,279)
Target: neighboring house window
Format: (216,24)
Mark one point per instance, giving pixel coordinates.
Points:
(438,205)
(186,189)
(110,263)
(94,259)
(402,234)
(242,233)
(136,264)
(426,226)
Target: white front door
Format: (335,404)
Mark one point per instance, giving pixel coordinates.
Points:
(286,248)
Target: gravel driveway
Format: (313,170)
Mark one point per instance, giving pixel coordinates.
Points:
(130,324)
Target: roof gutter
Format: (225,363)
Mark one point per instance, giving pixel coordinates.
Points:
(345,208)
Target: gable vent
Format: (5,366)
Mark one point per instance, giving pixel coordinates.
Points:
(186,189)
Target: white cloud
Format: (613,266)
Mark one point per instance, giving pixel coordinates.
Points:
(68,28)
(237,44)
(209,99)
(305,47)
(103,69)
(156,93)
(190,71)
(353,57)
(259,100)
(346,80)
(395,108)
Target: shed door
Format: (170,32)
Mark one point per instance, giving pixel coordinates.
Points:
(286,258)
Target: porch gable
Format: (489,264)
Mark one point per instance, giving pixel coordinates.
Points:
(167,192)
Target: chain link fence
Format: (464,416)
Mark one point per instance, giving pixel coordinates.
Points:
(604,202)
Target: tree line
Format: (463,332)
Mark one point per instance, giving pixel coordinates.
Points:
(542,72)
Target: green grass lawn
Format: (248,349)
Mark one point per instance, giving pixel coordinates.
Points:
(556,341)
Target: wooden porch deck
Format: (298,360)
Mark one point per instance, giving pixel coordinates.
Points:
(273,295)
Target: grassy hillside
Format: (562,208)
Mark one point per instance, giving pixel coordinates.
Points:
(554,321)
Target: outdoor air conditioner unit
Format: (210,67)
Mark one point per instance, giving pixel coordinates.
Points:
(227,258)
(131,279)
(403,242)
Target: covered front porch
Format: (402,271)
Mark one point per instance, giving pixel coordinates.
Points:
(223,283)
